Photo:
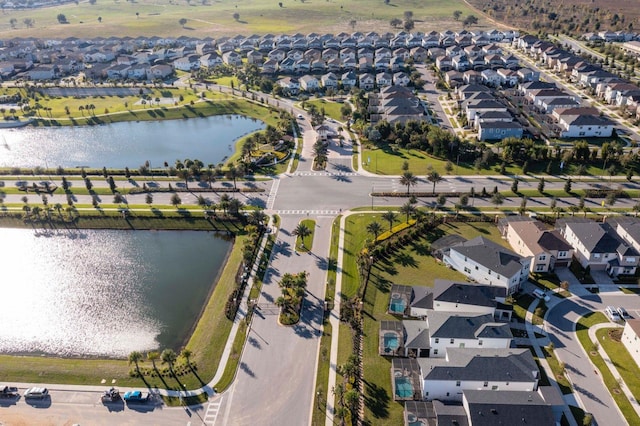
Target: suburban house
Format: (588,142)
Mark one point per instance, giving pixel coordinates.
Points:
(498,130)
(599,247)
(629,231)
(585,126)
(448,296)
(481,106)
(309,83)
(489,263)
(507,408)
(477,369)
(547,248)
(631,339)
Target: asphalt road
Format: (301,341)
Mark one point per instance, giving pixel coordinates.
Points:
(587,383)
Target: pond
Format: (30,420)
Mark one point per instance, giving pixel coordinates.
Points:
(104,293)
(125,144)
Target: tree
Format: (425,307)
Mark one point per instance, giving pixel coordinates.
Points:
(302,231)
(567,186)
(13,22)
(408,179)
(186,354)
(408,15)
(435,178)
(29,22)
(374,228)
(352,24)
(168,356)
(395,22)
(469,21)
(236,16)
(390,217)
(280,4)
(408,209)
(457,14)
(514,186)
(541,185)
(233,173)
(153,356)
(497,199)
(523,206)
(441,200)
(149,199)
(182,22)
(62,19)
(175,200)
(611,198)
(134,358)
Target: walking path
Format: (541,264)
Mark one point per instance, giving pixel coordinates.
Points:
(611,366)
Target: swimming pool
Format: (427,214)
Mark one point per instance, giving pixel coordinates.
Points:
(404,389)
(391,341)
(397,304)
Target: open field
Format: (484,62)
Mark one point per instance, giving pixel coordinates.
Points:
(206,18)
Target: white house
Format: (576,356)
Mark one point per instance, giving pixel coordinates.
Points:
(489,263)
(631,340)
(477,369)
(585,126)
(309,83)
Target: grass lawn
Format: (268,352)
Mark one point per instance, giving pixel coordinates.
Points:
(151,17)
(206,343)
(331,108)
(549,282)
(558,370)
(306,244)
(582,331)
(621,358)
(323,394)
(411,266)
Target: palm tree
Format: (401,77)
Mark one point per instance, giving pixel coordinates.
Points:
(374,228)
(235,206)
(175,200)
(233,173)
(257,217)
(408,209)
(408,179)
(134,358)
(184,174)
(302,231)
(390,217)
(168,356)
(434,177)
(153,356)
(224,202)
(186,354)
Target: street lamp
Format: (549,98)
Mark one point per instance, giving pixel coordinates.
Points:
(372,197)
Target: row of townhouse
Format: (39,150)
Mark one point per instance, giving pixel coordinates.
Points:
(347,80)
(490,117)
(573,120)
(611,36)
(395,104)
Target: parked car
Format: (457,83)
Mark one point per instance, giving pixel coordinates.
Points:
(623,313)
(110,395)
(135,396)
(541,294)
(9,392)
(36,393)
(612,313)
(300,116)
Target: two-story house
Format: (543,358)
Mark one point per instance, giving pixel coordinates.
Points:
(489,263)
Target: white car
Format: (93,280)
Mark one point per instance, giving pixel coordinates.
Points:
(36,393)
(300,116)
(612,313)
(540,294)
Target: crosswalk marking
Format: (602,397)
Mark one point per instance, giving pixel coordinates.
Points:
(272,194)
(211,415)
(325,174)
(309,212)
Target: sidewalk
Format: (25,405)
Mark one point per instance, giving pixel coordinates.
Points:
(612,368)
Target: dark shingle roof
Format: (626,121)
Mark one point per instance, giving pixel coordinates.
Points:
(491,255)
(465,293)
(466,326)
(488,408)
(513,365)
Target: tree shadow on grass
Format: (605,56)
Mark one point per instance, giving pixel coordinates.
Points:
(405,259)
(377,400)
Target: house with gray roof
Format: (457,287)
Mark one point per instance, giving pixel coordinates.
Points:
(429,413)
(489,263)
(599,247)
(463,369)
(506,408)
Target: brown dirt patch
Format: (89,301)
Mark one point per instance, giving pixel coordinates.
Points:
(615,335)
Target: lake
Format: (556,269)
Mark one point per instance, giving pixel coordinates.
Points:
(104,293)
(125,144)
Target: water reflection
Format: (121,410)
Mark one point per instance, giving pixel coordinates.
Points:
(78,292)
